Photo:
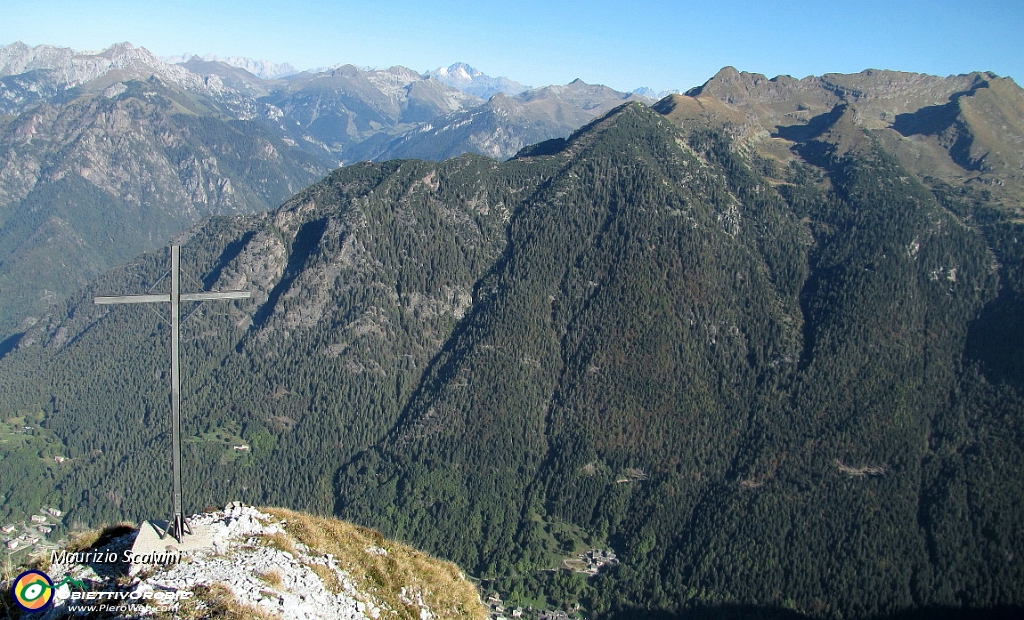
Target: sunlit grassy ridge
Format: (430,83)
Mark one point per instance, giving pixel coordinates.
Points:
(386,568)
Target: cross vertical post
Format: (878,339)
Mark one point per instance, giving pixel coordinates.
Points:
(178,519)
(177,525)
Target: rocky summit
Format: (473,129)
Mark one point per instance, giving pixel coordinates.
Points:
(259,563)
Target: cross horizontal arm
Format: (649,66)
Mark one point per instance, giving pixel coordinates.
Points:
(218,295)
(132,299)
(149,299)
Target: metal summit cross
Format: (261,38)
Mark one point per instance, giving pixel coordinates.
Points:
(178,524)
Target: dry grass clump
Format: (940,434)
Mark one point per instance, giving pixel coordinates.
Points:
(216,602)
(94,539)
(328,576)
(383,568)
(272,578)
(279,541)
(79,542)
(7,606)
(8,570)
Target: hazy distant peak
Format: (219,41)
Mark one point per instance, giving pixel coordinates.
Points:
(401,72)
(64,68)
(474,82)
(19,58)
(122,55)
(458,71)
(263,69)
(726,72)
(655,95)
(336,66)
(578,93)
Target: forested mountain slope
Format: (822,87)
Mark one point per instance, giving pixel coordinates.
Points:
(358,281)
(769,365)
(755,395)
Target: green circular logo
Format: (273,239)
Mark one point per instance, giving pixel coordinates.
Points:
(32,590)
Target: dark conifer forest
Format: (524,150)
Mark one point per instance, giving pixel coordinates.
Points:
(779,386)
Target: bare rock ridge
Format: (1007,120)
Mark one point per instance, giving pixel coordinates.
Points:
(264,564)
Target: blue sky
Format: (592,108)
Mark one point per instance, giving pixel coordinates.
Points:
(664,45)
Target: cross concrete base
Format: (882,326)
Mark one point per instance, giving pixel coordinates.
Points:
(152,550)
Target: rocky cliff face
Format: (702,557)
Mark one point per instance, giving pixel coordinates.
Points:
(31,74)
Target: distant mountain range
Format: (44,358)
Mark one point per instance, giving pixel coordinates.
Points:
(263,69)
(91,138)
(504,124)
